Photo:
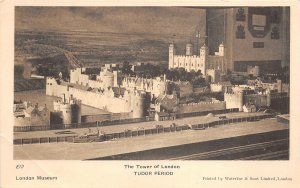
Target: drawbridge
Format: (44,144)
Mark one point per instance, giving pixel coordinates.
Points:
(73,61)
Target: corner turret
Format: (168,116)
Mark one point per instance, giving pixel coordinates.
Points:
(221,49)
(204,57)
(138,104)
(189,49)
(172,53)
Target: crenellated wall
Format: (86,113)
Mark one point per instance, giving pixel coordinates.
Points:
(131,101)
(259,100)
(156,86)
(34,120)
(105,101)
(202,106)
(105,79)
(96,84)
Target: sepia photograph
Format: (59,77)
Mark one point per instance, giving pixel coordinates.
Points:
(151,83)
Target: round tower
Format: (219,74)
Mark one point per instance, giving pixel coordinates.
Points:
(138,105)
(66,114)
(108,79)
(171,55)
(189,49)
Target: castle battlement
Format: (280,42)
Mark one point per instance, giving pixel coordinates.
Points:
(229,93)
(233,93)
(234,100)
(67,102)
(109,93)
(90,93)
(203,103)
(187,56)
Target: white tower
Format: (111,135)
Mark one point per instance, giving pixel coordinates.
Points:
(171,55)
(50,82)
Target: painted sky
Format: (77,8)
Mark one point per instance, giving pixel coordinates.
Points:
(152,20)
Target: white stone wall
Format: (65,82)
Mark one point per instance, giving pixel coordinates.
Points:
(105,101)
(234,100)
(32,121)
(189,63)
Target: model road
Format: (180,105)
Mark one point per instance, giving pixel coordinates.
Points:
(271,145)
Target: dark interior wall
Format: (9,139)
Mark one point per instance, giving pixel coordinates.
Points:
(286,34)
(222,24)
(215,28)
(271,66)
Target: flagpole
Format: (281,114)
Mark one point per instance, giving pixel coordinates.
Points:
(197,41)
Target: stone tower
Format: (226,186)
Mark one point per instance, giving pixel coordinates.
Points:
(234,100)
(138,104)
(204,58)
(50,82)
(171,55)
(221,49)
(69,110)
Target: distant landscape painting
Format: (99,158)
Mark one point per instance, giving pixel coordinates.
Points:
(151,83)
